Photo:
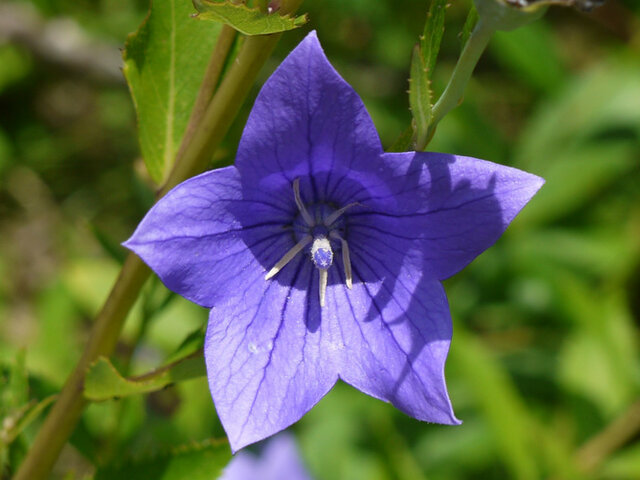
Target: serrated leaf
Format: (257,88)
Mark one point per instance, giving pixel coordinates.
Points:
(249,21)
(420,96)
(165,61)
(203,461)
(469,24)
(104,382)
(422,64)
(432,35)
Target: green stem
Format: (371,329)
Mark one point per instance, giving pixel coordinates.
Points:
(62,418)
(215,123)
(452,95)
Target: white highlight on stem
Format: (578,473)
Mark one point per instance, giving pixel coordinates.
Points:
(297,248)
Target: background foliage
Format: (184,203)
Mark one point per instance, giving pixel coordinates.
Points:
(544,368)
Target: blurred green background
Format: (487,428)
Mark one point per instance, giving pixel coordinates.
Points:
(545,366)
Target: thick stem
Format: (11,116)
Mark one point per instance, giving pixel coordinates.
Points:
(216,121)
(62,418)
(469,57)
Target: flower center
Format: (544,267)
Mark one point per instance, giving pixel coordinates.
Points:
(315,227)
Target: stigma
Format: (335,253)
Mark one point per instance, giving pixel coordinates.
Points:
(316,230)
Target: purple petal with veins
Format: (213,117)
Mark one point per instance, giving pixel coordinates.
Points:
(321,256)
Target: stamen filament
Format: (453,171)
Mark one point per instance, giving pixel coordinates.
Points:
(303,210)
(297,248)
(337,214)
(324,275)
(346,259)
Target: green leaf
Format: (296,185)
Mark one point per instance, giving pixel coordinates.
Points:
(432,35)
(501,405)
(104,382)
(521,440)
(603,100)
(422,64)
(577,177)
(165,61)
(420,96)
(250,21)
(403,142)
(201,461)
(602,343)
(469,24)
(110,247)
(23,417)
(190,345)
(530,53)
(17,391)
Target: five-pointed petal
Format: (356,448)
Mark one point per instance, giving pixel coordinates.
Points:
(409,221)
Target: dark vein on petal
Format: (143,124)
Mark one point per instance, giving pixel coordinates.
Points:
(389,330)
(274,341)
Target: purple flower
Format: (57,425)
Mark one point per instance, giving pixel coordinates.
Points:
(321,256)
(279,460)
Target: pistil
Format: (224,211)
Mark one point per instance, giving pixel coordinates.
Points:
(319,232)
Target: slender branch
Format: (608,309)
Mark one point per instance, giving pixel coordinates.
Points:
(452,95)
(216,121)
(615,435)
(209,83)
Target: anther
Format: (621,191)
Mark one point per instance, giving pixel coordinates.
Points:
(303,210)
(297,248)
(346,258)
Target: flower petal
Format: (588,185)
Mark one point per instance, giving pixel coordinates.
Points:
(307,122)
(455,206)
(279,460)
(396,330)
(268,355)
(202,236)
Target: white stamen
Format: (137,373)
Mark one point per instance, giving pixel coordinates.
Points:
(303,210)
(346,259)
(324,275)
(337,214)
(306,240)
